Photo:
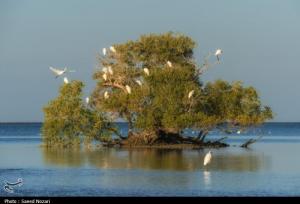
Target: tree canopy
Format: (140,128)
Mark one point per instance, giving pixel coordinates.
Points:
(153,83)
(166,93)
(69,122)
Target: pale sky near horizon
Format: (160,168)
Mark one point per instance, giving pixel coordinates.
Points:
(260,39)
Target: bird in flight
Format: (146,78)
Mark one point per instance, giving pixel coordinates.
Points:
(207,158)
(218,53)
(59,72)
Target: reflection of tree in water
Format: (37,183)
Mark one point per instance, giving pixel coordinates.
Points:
(182,160)
(63,157)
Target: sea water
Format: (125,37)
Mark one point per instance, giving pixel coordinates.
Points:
(270,167)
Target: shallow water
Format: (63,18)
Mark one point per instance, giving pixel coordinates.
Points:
(270,168)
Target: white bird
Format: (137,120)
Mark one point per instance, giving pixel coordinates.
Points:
(169,64)
(191,93)
(106,96)
(218,53)
(207,158)
(138,82)
(104,76)
(112,48)
(104,69)
(58,72)
(146,70)
(238,132)
(87,100)
(104,51)
(110,70)
(66,80)
(128,89)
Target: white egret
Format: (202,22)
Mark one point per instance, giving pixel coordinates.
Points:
(87,100)
(104,51)
(66,80)
(207,158)
(138,82)
(58,72)
(191,93)
(218,53)
(128,89)
(104,76)
(113,49)
(169,64)
(110,70)
(147,72)
(106,96)
(104,69)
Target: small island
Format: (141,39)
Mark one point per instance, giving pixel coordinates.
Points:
(154,84)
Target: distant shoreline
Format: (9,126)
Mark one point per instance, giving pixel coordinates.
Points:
(117,122)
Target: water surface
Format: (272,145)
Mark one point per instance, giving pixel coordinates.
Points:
(270,167)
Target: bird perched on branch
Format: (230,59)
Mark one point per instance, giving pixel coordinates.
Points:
(128,89)
(147,72)
(169,64)
(138,82)
(104,51)
(66,80)
(112,48)
(106,95)
(191,93)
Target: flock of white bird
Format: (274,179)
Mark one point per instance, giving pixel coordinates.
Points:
(108,70)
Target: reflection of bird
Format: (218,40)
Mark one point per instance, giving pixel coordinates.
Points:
(207,179)
(169,64)
(110,70)
(146,70)
(106,96)
(218,53)
(87,100)
(138,82)
(128,89)
(66,80)
(104,51)
(112,48)
(207,158)
(104,76)
(191,93)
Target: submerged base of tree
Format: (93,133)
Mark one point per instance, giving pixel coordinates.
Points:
(164,141)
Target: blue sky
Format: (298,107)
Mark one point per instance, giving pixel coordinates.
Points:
(260,39)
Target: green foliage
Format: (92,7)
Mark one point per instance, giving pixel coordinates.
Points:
(162,103)
(69,122)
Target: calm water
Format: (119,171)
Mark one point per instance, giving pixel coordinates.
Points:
(270,168)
